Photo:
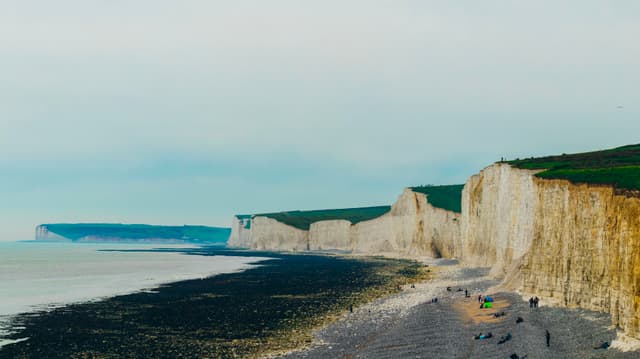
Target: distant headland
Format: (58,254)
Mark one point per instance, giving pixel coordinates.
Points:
(138,233)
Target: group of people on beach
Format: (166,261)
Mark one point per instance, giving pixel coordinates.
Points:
(500,314)
(533,302)
(466,291)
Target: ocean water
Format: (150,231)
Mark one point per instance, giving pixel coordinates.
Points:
(37,276)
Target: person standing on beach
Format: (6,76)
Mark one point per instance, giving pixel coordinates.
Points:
(531,302)
(547,335)
(480,298)
(535,302)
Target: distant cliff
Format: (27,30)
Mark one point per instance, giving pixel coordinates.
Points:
(411,227)
(291,230)
(566,228)
(107,232)
(240,236)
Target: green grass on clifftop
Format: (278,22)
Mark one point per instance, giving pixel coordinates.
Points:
(447,197)
(619,167)
(304,219)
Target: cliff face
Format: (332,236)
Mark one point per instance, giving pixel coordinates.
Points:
(43,234)
(412,228)
(498,211)
(585,250)
(576,245)
(442,231)
(269,234)
(240,232)
(328,235)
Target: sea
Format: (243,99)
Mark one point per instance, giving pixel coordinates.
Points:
(37,276)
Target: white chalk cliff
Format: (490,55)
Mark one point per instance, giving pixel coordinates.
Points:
(412,228)
(575,244)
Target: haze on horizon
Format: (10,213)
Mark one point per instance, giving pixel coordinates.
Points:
(188,112)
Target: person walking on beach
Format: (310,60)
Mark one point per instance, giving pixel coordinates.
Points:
(480,298)
(531,302)
(547,335)
(535,302)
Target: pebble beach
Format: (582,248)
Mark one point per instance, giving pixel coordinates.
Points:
(410,325)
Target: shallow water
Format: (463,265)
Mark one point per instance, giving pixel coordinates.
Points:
(36,276)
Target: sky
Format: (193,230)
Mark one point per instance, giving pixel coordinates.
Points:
(188,112)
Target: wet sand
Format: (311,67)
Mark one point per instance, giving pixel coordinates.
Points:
(408,325)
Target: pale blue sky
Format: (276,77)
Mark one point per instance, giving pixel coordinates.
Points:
(174,112)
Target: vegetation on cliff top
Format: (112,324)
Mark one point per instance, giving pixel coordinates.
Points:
(619,167)
(447,197)
(136,232)
(246,219)
(304,219)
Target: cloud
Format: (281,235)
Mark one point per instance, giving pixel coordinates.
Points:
(287,95)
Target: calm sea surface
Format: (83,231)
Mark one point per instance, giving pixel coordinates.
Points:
(36,276)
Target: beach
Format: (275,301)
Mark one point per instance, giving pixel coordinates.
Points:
(409,325)
(316,306)
(266,309)
(41,276)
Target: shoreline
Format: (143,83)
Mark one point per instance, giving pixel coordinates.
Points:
(270,308)
(145,279)
(409,325)
(268,311)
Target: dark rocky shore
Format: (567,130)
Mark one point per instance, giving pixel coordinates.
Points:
(405,326)
(269,308)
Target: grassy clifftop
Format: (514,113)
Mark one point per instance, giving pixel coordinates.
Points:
(304,219)
(619,167)
(137,232)
(447,197)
